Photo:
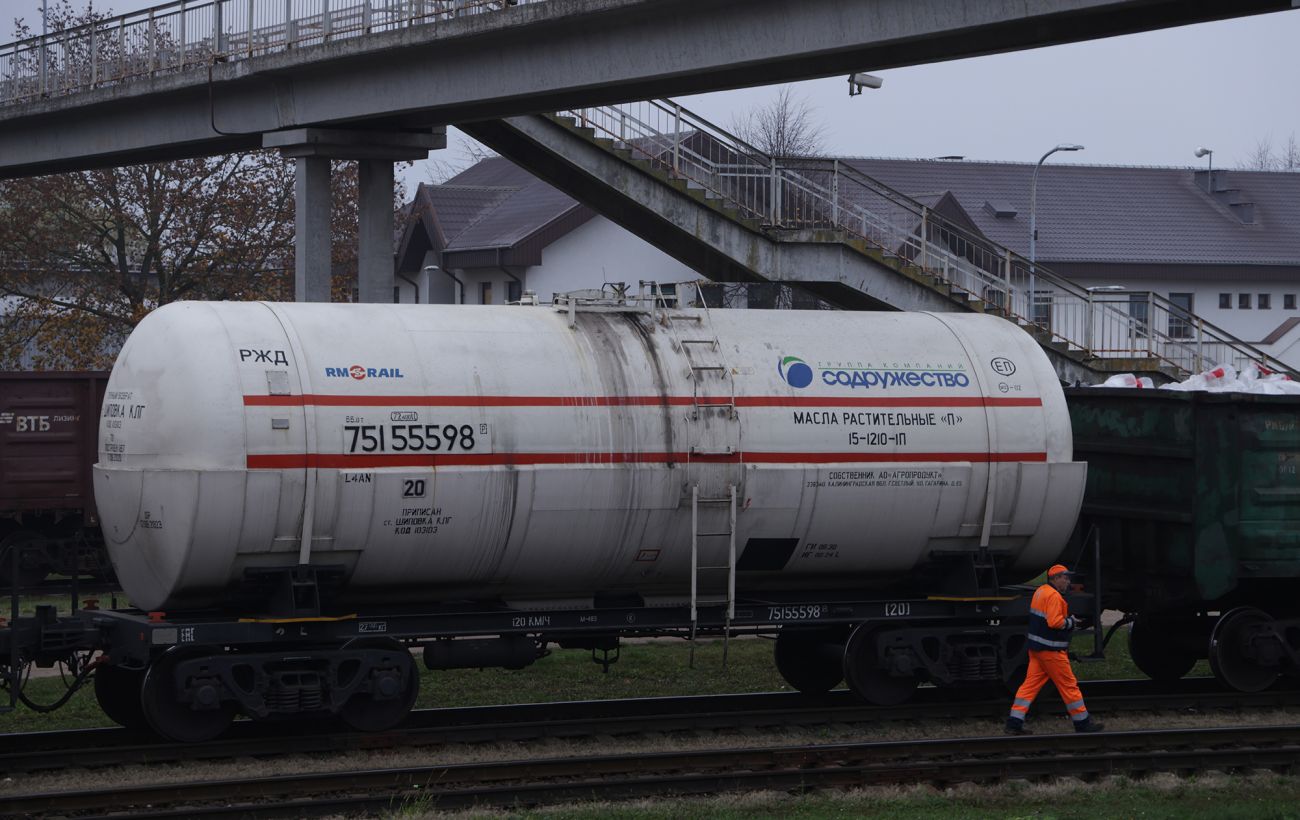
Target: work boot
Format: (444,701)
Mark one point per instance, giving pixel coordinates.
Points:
(1088,725)
(1016,727)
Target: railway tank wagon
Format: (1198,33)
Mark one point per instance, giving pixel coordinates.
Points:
(484,482)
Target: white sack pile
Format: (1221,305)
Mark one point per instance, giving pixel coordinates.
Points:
(1222,379)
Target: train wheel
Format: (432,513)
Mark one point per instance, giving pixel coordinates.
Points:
(393,687)
(1233,650)
(192,722)
(866,678)
(810,660)
(118,691)
(31,562)
(1155,655)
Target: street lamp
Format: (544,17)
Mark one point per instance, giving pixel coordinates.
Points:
(1033,219)
(1209,181)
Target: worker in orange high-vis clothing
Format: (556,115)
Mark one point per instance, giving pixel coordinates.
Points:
(1050,623)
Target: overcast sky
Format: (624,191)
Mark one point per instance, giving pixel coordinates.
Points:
(1143,99)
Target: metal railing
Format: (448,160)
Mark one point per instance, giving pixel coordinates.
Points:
(814,194)
(183,35)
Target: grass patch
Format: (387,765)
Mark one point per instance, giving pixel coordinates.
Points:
(651,669)
(1161,797)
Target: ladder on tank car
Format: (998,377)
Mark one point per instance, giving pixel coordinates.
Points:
(703,354)
(691,347)
(730,567)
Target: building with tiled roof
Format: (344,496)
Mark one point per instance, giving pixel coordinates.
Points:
(494,231)
(1231,255)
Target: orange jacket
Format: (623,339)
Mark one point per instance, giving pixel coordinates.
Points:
(1050,621)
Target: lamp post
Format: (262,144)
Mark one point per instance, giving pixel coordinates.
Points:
(1033,219)
(1209,181)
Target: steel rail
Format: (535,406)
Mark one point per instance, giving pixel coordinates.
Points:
(558,780)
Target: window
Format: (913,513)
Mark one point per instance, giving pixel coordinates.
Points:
(1042,308)
(669,294)
(1265,301)
(1225,301)
(1180,316)
(485,293)
(1288,301)
(1138,307)
(1243,301)
(514,291)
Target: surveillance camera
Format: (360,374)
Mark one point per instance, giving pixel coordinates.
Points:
(1200,152)
(865,80)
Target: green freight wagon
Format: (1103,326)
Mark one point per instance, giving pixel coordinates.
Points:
(1193,499)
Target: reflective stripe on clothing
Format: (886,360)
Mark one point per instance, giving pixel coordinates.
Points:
(1049,620)
(1051,644)
(1053,666)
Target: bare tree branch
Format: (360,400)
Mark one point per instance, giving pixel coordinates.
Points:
(784,128)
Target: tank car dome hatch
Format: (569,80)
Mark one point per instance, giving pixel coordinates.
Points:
(455,452)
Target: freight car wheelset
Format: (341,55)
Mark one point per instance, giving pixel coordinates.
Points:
(186,678)
(295,508)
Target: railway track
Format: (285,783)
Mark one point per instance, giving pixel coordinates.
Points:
(612,777)
(99,748)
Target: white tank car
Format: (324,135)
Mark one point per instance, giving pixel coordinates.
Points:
(538,456)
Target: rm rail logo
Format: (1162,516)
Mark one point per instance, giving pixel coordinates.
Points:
(360,373)
(795,371)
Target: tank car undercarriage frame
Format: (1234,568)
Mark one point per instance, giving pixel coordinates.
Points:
(187,676)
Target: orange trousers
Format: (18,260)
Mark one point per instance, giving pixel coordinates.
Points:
(1053,666)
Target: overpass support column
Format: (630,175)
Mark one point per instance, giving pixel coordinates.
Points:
(376,151)
(375,273)
(311,243)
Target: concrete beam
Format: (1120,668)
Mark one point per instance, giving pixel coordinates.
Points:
(375,263)
(335,143)
(545,57)
(375,152)
(311,242)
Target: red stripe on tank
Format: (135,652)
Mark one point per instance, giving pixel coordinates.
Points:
(299,461)
(320,400)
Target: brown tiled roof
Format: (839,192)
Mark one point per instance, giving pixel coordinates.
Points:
(1115,214)
(493,213)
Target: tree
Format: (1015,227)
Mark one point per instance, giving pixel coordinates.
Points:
(469,152)
(1264,158)
(785,127)
(84,256)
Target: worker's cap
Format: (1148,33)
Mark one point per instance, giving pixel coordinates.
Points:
(1058,569)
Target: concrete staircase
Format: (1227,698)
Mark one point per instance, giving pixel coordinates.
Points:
(728,239)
